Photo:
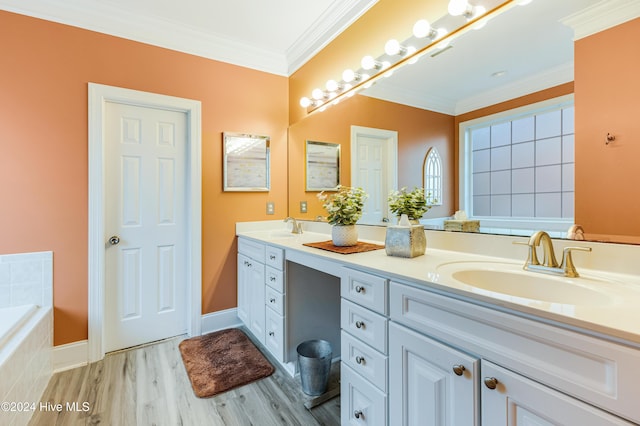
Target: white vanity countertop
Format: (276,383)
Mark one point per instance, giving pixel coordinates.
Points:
(618,319)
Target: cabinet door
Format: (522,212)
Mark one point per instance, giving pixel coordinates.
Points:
(516,400)
(256,285)
(274,334)
(244,294)
(430,383)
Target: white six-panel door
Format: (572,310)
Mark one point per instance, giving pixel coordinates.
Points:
(374,169)
(146,277)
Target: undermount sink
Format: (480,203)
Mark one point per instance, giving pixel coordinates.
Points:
(511,280)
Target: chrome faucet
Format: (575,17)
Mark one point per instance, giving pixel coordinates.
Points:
(296,228)
(550,264)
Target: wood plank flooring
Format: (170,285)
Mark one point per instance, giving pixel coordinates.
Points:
(149,386)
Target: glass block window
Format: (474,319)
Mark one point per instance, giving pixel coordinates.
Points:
(433,177)
(523,167)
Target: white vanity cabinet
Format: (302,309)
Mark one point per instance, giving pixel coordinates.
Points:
(527,363)
(261,292)
(364,344)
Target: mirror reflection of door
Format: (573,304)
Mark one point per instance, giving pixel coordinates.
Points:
(374,154)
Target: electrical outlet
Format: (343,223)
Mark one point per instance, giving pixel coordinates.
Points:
(303,206)
(271,207)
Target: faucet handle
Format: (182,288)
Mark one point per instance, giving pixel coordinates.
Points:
(567,261)
(532,258)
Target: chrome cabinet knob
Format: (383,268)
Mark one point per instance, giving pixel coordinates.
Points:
(271,333)
(491,382)
(114,240)
(359,324)
(359,289)
(360,360)
(272,300)
(358,414)
(458,369)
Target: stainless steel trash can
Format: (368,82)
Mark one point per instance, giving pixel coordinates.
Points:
(314,361)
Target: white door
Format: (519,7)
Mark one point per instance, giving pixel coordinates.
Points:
(374,169)
(145,221)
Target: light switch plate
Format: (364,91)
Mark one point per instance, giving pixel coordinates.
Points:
(271,207)
(303,206)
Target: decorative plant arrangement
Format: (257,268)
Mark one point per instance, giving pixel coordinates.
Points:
(344,208)
(412,203)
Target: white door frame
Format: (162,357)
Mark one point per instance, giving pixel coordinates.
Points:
(99,95)
(391,139)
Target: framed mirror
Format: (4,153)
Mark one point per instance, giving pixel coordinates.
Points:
(245,162)
(322,168)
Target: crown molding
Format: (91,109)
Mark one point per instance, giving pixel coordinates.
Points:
(544,80)
(601,16)
(327,27)
(106,18)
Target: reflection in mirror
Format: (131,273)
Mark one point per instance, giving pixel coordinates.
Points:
(525,56)
(322,166)
(432,177)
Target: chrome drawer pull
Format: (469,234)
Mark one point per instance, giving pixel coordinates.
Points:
(272,300)
(358,414)
(271,333)
(360,360)
(359,324)
(272,257)
(359,289)
(272,278)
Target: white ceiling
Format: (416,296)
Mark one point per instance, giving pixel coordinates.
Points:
(275,36)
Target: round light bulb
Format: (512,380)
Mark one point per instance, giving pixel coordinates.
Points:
(332,85)
(477,12)
(368,62)
(392,47)
(348,76)
(410,51)
(422,28)
(444,43)
(317,94)
(305,102)
(457,7)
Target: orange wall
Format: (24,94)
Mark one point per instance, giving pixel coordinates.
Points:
(418,130)
(607,92)
(43,139)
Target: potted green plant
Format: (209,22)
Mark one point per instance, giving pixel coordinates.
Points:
(344,208)
(412,203)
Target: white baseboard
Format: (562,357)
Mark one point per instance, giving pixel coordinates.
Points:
(220,320)
(71,355)
(76,354)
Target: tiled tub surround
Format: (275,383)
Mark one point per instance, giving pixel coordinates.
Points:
(26,288)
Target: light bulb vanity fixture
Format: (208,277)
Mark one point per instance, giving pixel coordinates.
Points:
(426,38)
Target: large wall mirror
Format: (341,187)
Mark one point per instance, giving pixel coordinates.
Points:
(527,52)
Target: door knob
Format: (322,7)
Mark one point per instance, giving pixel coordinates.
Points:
(491,382)
(114,240)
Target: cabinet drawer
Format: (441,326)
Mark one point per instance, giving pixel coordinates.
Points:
(364,324)
(361,402)
(274,257)
(364,360)
(274,334)
(364,289)
(252,249)
(602,373)
(275,279)
(275,300)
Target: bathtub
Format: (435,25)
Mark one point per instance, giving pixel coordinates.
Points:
(25,358)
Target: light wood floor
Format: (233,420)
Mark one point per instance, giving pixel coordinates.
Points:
(149,386)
